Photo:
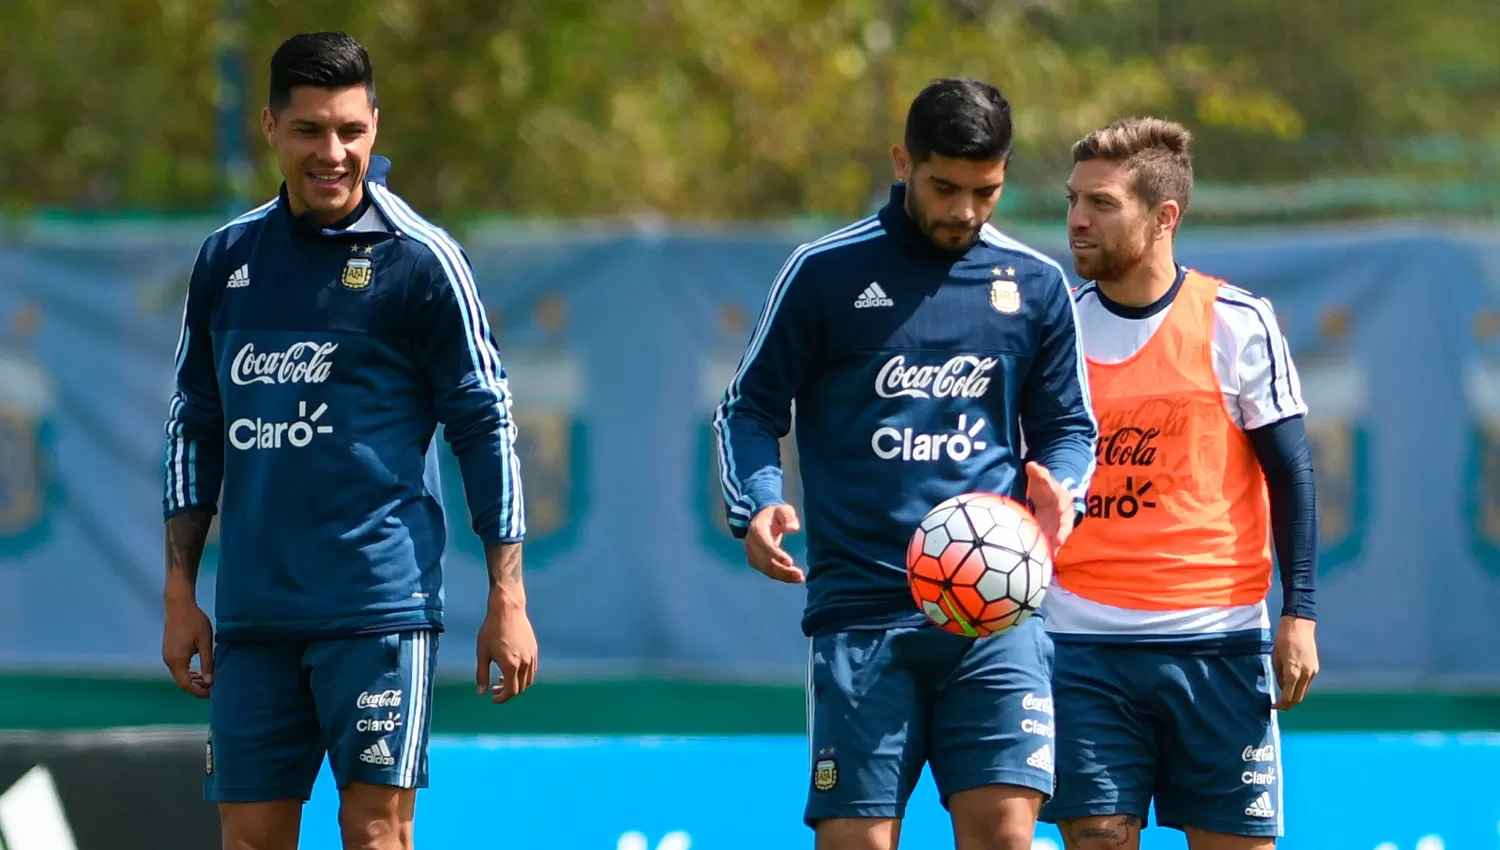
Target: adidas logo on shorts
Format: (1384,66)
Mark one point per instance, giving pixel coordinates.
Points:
(1041,759)
(873,296)
(1261,808)
(378,753)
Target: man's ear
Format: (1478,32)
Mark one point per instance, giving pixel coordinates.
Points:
(1168,219)
(901,163)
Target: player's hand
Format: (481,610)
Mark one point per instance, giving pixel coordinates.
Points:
(763,543)
(187,632)
(506,639)
(1050,502)
(1295,657)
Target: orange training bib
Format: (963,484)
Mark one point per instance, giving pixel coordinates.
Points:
(1178,513)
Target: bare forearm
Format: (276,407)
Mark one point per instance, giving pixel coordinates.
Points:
(506,586)
(186,535)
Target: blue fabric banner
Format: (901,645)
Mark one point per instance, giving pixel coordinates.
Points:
(619,344)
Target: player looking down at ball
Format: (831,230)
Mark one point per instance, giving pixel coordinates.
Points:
(1166,676)
(918,346)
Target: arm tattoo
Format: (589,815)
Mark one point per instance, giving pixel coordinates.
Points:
(1111,832)
(504,560)
(186,535)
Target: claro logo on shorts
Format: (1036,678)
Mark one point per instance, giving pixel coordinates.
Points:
(390,723)
(1258,777)
(1043,728)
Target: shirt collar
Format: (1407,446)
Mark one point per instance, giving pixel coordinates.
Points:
(364,218)
(1126,311)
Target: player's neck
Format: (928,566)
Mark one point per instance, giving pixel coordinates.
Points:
(1145,284)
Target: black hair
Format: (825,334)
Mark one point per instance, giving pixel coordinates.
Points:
(326,60)
(959,119)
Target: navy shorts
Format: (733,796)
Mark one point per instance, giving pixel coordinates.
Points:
(1196,735)
(276,709)
(884,703)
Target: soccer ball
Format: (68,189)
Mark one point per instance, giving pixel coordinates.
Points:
(978,565)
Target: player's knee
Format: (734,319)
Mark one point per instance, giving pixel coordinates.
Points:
(256,841)
(999,833)
(376,818)
(1007,837)
(374,833)
(995,817)
(1111,832)
(260,826)
(251,838)
(857,834)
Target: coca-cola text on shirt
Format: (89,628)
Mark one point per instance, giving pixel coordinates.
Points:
(301,363)
(962,376)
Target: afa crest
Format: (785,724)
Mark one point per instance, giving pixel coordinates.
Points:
(1005,295)
(548,381)
(1482,392)
(1338,441)
(825,775)
(1484,500)
(548,446)
(1340,454)
(791,491)
(28,488)
(358,272)
(23,474)
(551,450)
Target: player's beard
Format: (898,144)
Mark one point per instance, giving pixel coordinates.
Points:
(938,232)
(1114,262)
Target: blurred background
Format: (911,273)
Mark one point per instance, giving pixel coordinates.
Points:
(627,178)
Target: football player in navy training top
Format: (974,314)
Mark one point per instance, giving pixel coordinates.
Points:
(325,335)
(890,335)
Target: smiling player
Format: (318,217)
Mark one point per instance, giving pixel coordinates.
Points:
(325,336)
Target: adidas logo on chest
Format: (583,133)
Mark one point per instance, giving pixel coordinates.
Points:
(873,296)
(240,278)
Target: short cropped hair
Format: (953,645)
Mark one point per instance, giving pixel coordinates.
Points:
(1154,150)
(325,60)
(959,119)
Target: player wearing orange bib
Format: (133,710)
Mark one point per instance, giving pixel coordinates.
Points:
(1166,677)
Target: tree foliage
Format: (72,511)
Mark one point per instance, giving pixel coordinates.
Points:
(723,109)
